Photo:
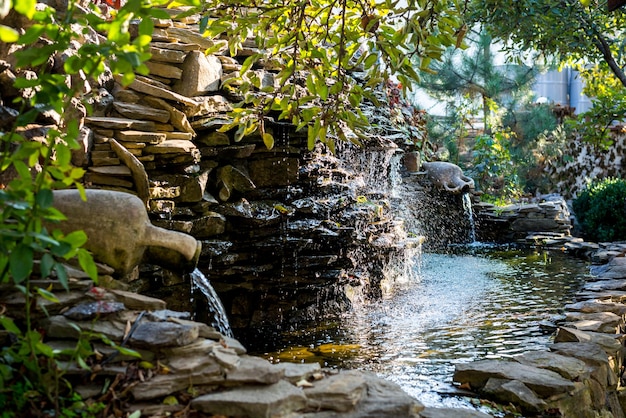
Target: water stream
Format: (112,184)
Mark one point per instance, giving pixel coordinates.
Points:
(476,303)
(215,311)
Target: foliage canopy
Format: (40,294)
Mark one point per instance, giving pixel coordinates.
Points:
(572,31)
(326,46)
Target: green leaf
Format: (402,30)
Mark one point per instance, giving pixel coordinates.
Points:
(248,63)
(87,264)
(127,351)
(47,295)
(62,275)
(21,262)
(44,198)
(9,325)
(46,264)
(268,140)
(311,135)
(25,7)
(8,34)
(136,414)
(82,364)
(76,238)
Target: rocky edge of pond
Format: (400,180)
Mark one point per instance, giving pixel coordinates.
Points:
(190,368)
(582,373)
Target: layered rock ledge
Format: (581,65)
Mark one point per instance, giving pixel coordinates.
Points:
(582,374)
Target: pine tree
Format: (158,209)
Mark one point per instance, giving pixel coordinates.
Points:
(473,72)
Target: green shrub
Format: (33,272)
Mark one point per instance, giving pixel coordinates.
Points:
(601,210)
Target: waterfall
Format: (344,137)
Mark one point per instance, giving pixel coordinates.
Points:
(217,314)
(467,207)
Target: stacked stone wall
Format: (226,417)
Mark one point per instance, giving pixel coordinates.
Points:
(284,230)
(549,216)
(582,161)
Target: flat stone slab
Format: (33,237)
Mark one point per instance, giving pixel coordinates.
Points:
(452,413)
(544,382)
(514,391)
(340,392)
(604,285)
(120,123)
(141,136)
(568,367)
(616,268)
(251,369)
(593,306)
(384,399)
(258,401)
(172,146)
(163,334)
(295,372)
(137,302)
(608,342)
(92,310)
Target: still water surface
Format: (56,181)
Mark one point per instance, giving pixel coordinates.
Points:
(473,304)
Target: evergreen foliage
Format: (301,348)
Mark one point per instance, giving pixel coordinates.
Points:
(601,210)
(473,73)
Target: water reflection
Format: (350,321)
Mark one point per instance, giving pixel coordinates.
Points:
(476,303)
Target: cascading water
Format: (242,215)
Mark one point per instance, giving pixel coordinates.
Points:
(217,317)
(467,207)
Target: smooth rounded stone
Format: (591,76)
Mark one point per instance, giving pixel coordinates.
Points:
(92,310)
(258,401)
(340,392)
(544,382)
(163,334)
(514,391)
(568,367)
(201,74)
(452,413)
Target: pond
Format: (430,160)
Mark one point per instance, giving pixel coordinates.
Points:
(474,303)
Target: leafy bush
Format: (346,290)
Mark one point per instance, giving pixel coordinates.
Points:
(601,210)
(493,168)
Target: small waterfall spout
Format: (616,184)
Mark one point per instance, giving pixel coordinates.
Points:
(467,207)
(216,312)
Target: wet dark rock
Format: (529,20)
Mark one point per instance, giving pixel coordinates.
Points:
(92,310)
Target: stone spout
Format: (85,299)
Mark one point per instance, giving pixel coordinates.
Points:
(447,176)
(119,230)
